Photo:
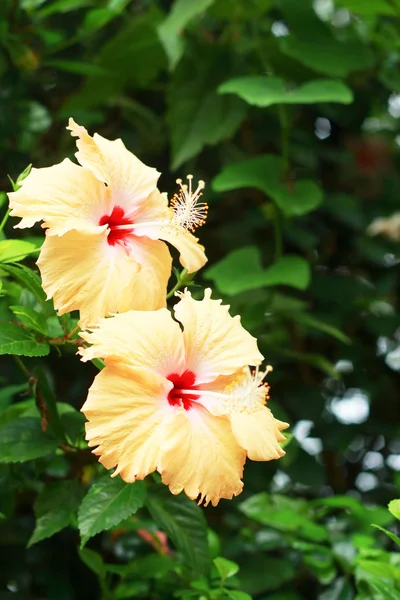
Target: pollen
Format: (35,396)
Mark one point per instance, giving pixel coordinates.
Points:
(248,392)
(189,213)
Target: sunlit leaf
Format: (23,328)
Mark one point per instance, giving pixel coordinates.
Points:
(16,340)
(241,270)
(266,91)
(108,502)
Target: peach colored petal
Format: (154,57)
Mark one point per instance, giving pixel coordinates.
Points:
(148,289)
(64,196)
(259,433)
(83,272)
(199,455)
(215,343)
(138,338)
(126,411)
(242,397)
(130,180)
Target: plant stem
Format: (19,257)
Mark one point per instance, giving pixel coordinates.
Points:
(284,123)
(4,219)
(178,284)
(21,365)
(278,233)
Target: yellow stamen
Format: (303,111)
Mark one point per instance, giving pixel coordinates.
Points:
(189,213)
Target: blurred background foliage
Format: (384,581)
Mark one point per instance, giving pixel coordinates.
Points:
(289,110)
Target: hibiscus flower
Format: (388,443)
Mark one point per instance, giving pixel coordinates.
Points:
(104,223)
(180,402)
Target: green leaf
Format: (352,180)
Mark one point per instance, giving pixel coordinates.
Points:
(170,31)
(197,115)
(294,198)
(283,514)
(55,508)
(226,568)
(368,8)
(394,508)
(24,439)
(31,281)
(15,340)
(63,6)
(93,561)
(266,91)
(393,537)
(340,590)
(241,270)
(108,502)
(386,592)
(46,400)
(328,56)
(136,43)
(237,595)
(312,322)
(30,318)
(183,520)
(378,568)
(76,66)
(7,393)
(12,250)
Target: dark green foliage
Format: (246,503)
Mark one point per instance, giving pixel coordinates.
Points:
(289,110)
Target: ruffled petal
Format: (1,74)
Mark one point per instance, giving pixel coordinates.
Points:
(149,287)
(138,338)
(64,196)
(83,272)
(259,433)
(130,180)
(126,411)
(155,220)
(200,455)
(215,343)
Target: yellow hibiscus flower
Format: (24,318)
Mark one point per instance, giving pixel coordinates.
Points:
(180,402)
(104,223)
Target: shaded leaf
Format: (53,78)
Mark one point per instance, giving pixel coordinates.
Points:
(395,538)
(55,508)
(93,561)
(312,322)
(197,115)
(340,590)
(23,440)
(263,172)
(30,318)
(183,521)
(170,30)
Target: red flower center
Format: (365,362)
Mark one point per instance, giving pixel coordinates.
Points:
(114,221)
(185,382)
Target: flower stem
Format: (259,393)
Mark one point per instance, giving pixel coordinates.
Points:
(23,368)
(181,281)
(278,233)
(4,219)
